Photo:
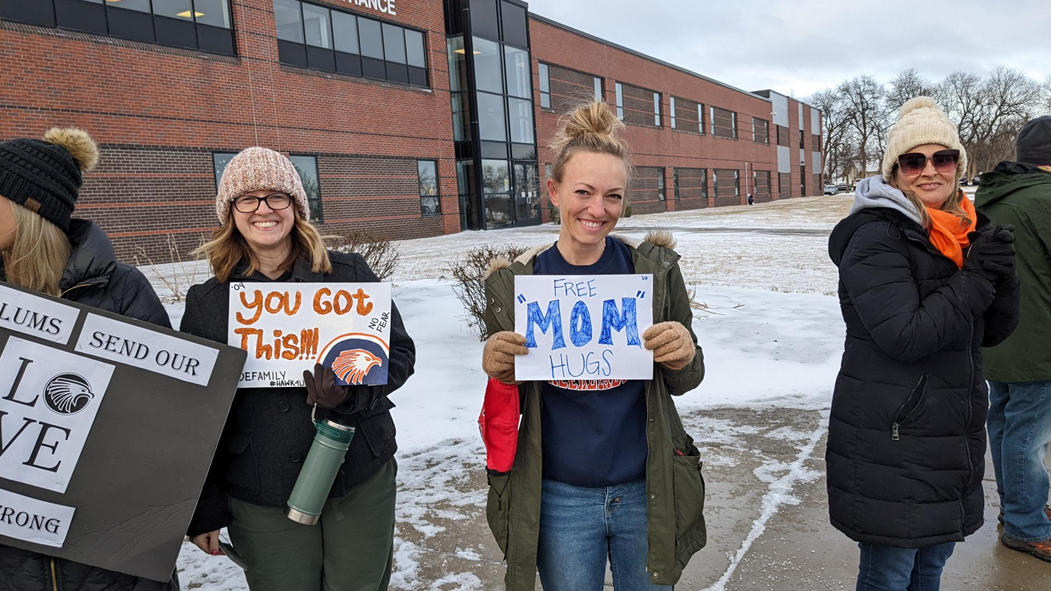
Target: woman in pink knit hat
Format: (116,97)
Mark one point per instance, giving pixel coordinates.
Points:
(265,236)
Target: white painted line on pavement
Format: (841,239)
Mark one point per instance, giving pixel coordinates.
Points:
(779,492)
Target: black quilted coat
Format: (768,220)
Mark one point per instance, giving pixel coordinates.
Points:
(92,277)
(906,441)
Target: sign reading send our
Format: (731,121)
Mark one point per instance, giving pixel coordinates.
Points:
(584,327)
(107,428)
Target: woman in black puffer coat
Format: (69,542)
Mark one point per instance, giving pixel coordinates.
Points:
(44,250)
(924,284)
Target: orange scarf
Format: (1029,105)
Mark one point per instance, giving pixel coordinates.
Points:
(948,233)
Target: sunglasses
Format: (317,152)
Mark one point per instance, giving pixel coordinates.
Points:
(944,161)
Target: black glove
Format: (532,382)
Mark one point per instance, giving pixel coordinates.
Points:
(323,391)
(992,253)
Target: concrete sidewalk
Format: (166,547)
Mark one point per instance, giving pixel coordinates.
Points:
(767,519)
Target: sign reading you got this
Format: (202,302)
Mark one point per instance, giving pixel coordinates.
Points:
(288,327)
(584,327)
(88,399)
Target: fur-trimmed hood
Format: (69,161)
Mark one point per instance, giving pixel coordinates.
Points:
(662,238)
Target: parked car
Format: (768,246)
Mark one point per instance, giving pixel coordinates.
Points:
(977,179)
(842,187)
(831,190)
(963,180)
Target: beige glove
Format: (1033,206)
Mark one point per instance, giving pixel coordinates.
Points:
(498,357)
(671,344)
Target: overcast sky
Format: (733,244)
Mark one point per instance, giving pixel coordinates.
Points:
(798,47)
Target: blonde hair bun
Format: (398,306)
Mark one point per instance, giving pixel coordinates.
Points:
(78,143)
(591,127)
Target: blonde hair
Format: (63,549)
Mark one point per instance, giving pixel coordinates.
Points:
(951,205)
(590,127)
(227,249)
(38,256)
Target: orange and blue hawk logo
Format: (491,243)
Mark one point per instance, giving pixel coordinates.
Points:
(357,359)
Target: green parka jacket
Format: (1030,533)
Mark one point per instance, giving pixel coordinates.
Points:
(673,482)
(1020,195)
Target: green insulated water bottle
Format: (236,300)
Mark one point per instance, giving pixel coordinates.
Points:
(331,442)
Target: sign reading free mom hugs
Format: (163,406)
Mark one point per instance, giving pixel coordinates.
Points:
(584,327)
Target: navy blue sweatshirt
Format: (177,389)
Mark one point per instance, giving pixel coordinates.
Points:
(594,431)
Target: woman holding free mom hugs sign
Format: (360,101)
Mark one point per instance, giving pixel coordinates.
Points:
(265,236)
(614,475)
(46,250)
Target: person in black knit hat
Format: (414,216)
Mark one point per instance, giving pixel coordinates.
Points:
(46,250)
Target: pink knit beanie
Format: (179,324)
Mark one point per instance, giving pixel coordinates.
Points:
(257,169)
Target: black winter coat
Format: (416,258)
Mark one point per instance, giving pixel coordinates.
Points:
(906,441)
(269,431)
(92,277)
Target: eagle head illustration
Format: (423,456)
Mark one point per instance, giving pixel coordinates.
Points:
(353,365)
(67,394)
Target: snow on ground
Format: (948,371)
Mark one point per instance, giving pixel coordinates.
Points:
(770,333)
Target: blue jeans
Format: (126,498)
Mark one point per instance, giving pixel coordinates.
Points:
(1019,432)
(580,527)
(887,568)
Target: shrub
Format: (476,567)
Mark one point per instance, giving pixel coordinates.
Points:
(469,271)
(556,214)
(381,254)
(627,210)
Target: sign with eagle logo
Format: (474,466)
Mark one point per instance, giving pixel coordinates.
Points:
(288,327)
(107,428)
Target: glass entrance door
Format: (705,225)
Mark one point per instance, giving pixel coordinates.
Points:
(527,193)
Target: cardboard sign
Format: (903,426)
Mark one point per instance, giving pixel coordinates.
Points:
(288,327)
(107,428)
(584,327)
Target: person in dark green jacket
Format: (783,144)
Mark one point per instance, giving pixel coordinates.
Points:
(1019,369)
(615,475)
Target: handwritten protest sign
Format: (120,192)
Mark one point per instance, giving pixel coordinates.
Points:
(288,327)
(107,428)
(584,327)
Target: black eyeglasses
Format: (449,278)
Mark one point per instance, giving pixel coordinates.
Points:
(914,163)
(250,203)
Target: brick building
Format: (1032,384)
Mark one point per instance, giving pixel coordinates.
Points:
(406,118)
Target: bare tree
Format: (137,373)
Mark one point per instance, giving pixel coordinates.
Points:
(836,146)
(866,115)
(908,84)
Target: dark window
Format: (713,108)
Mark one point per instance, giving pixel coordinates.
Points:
(491,123)
(545,87)
(429,202)
(193,24)
(675,180)
(488,75)
(638,106)
(496,186)
(317,25)
(220,160)
(394,53)
(370,35)
(686,115)
(131,19)
(519,81)
(173,22)
(660,185)
(306,166)
(80,15)
(345,40)
(514,24)
(288,17)
(760,131)
(520,114)
(417,57)
(33,12)
(483,19)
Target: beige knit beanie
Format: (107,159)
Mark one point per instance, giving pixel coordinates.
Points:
(920,122)
(256,169)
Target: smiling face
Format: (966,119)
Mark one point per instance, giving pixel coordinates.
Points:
(265,230)
(931,187)
(590,199)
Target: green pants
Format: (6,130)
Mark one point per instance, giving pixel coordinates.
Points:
(350,549)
